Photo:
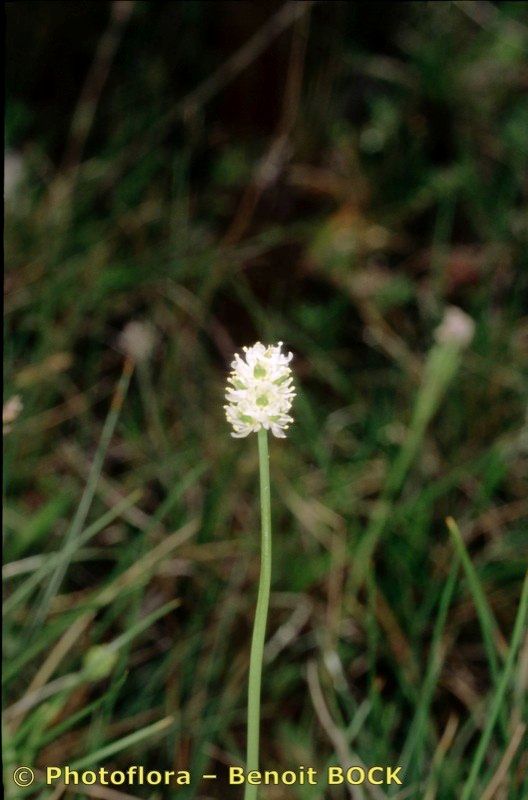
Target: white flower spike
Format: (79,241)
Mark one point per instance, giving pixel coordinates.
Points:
(260,391)
(457,328)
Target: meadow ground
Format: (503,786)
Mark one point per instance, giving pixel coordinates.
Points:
(334,176)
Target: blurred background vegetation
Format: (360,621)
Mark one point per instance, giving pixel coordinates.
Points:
(185,178)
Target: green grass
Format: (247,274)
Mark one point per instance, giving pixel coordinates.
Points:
(397,626)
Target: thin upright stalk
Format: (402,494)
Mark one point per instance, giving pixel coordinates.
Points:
(493,711)
(261,614)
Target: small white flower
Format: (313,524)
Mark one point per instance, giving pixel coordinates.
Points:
(13,173)
(138,340)
(10,411)
(456,328)
(260,391)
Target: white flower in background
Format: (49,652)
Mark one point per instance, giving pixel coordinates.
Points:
(13,173)
(260,391)
(10,411)
(456,328)
(138,340)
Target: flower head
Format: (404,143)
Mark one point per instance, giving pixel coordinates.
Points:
(457,328)
(10,411)
(260,391)
(138,340)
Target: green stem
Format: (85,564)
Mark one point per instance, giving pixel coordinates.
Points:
(261,614)
(493,711)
